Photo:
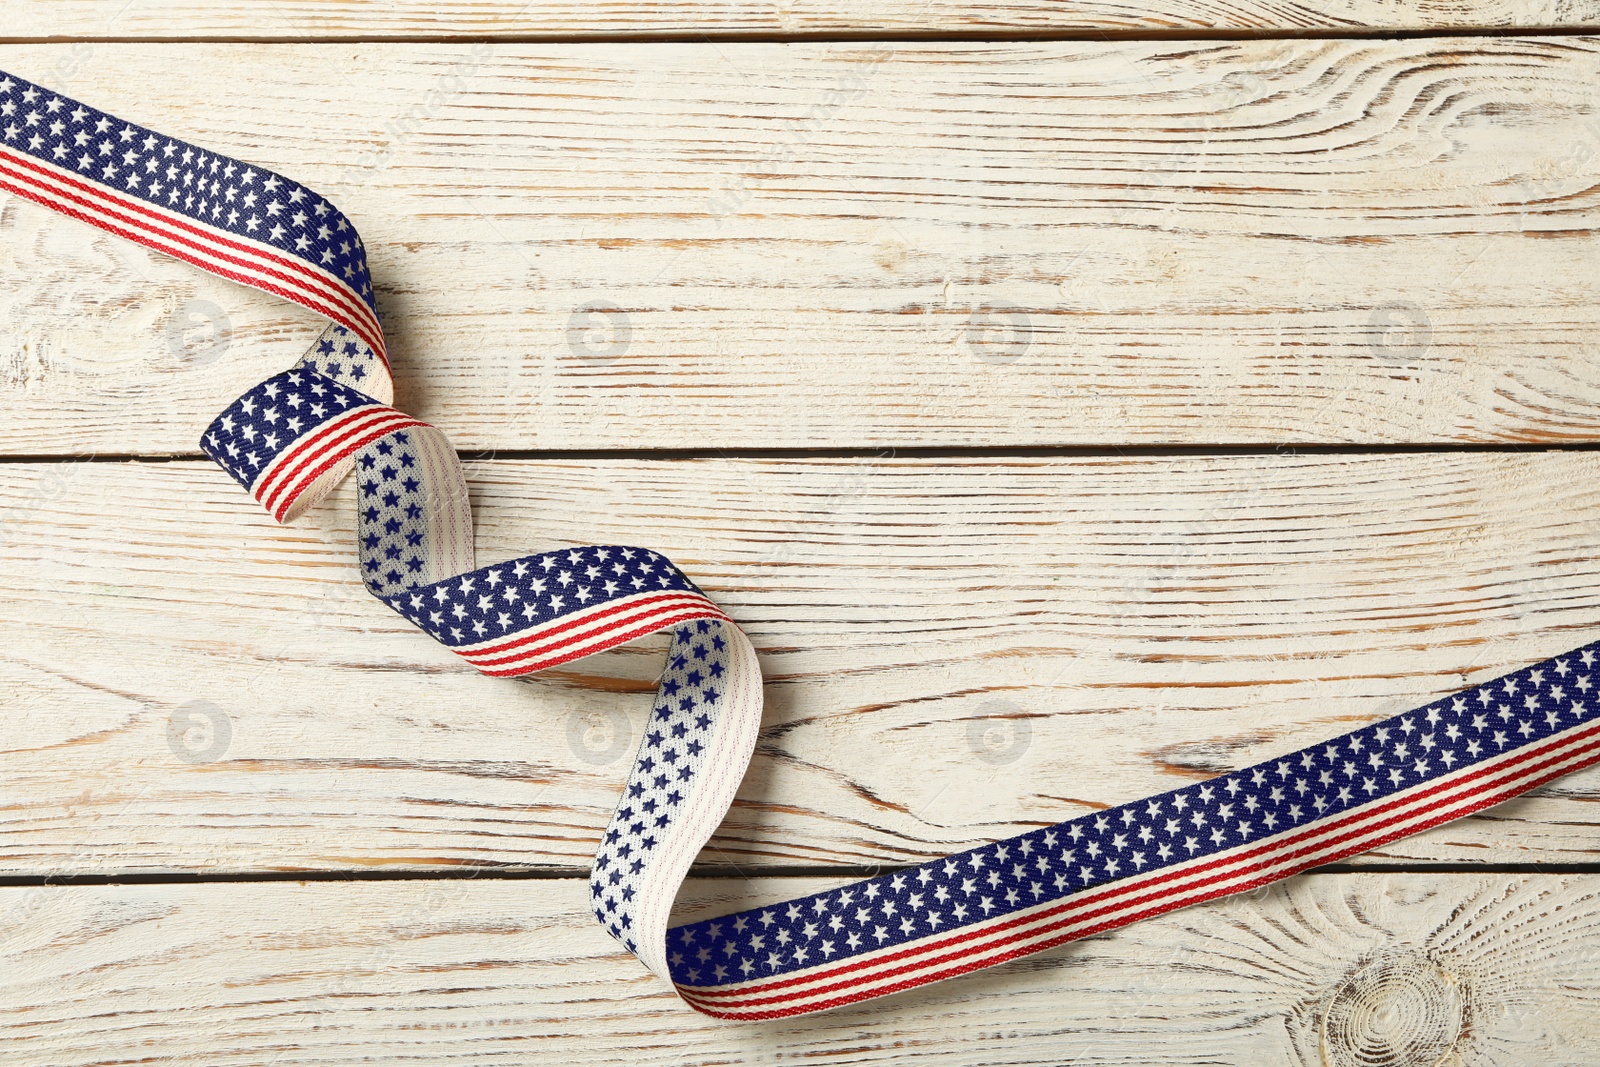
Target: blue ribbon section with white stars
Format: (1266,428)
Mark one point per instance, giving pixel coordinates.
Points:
(291,439)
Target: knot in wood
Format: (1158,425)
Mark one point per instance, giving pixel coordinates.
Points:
(1403,1011)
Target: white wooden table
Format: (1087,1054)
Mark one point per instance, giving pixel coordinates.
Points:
(1072,400)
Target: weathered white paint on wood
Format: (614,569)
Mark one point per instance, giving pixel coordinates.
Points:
(838,245)
(301,19)
(718,245)
(1373,970)
(956,650)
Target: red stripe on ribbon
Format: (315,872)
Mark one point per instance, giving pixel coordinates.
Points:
(350,313)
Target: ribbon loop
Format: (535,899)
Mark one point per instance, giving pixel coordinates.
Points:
(293,437)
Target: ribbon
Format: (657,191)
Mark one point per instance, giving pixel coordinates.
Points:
(296,435)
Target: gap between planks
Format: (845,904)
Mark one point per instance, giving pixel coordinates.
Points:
(554,20)
(598,247)
(951,452)
(1472,968)
(706,874)
(997,36)
(1149,620)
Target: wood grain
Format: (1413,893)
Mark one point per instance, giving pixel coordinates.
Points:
(309,19)
(722,244)
(1364,969)
(617,246)
(956,650)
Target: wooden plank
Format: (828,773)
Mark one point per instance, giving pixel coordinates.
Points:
(1344,970)
(750,245)
(306,19)
(956,650)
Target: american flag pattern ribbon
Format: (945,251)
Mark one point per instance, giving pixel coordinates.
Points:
(293,437)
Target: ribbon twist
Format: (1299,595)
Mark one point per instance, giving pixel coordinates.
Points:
(292,438)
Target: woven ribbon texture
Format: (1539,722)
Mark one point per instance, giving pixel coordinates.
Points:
(296,435)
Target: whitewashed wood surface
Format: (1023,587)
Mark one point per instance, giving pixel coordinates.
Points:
(1343,970)
(599,251)
(626,246)
(1121,625)
(367,19)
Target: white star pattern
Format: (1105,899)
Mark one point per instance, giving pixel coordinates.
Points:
(1287,793)
(204,186)
(269,418)
(526,593)
(1242,829)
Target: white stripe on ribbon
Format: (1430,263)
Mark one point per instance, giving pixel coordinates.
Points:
(283,480)
(591,630)
(1095,910)
(315,461)
(228,255)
